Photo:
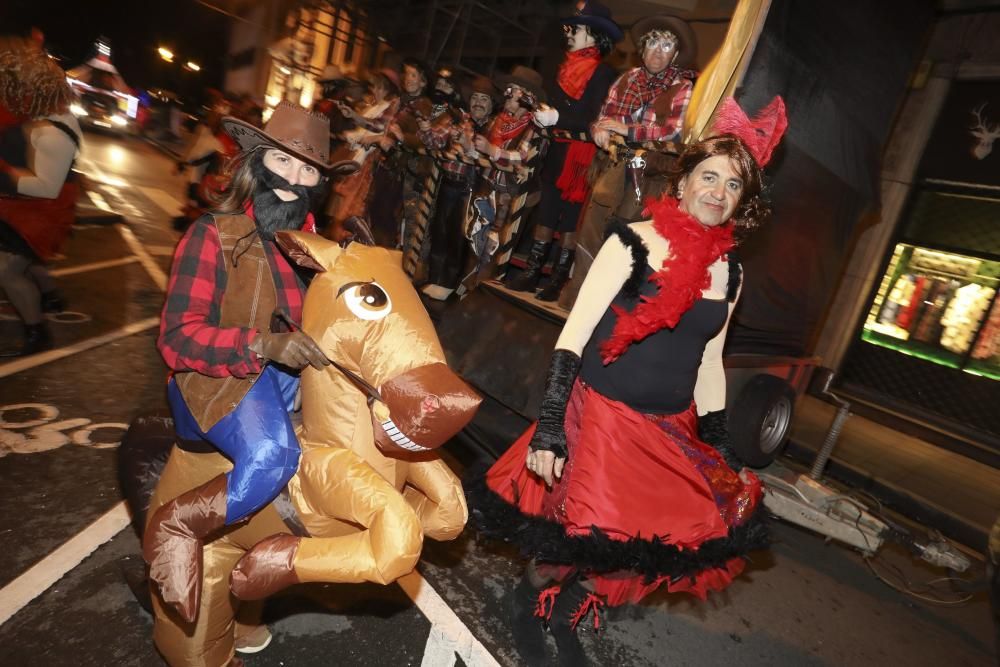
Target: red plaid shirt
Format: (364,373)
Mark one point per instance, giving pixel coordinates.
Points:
(629,102)
(190,336)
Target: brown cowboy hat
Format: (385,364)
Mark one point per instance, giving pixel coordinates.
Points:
(480,84)
(687,43)
(526,78)
(294,130)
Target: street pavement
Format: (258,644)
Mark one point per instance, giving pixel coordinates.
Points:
(67,540)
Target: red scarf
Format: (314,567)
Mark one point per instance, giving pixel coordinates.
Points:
(572,181)
(576,70)
(693,249)
(505,127)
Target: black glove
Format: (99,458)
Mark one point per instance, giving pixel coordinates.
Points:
(550,433)
(295,350)
(712,429)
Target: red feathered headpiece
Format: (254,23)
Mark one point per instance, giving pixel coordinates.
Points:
(761,134)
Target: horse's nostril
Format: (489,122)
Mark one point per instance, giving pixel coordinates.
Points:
(430,404)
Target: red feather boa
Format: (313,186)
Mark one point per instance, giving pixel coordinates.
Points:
(693,248)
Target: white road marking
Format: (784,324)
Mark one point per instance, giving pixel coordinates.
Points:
(25,363)
(99,201)
(51,569)
(164,200)
(152,268)
(448,629)
(94,266)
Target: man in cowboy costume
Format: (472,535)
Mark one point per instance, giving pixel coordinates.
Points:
(227,333)
(645,108)
(451,139)
(576,96)
(514,146)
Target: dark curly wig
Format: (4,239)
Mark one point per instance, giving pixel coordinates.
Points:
(603,43)
(752,211)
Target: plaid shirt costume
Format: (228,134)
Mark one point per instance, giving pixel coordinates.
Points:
(629,101)
(511,168)
(190,338)
(438,138)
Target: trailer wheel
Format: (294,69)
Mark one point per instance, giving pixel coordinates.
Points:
(760,419)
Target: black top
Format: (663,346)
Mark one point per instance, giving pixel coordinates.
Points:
(656,375)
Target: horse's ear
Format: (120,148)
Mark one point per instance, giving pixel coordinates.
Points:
(308,250)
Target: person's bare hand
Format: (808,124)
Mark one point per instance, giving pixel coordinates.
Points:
(601,138)
(546,465)
(483,145)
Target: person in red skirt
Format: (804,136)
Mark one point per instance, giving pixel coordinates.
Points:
(627,481)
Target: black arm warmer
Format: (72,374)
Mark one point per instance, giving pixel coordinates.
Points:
(550,433)
(712,430)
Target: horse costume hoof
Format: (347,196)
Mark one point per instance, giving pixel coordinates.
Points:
(172,543)
(175,565)
(266,569)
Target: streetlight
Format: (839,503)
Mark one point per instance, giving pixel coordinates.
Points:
(166,54)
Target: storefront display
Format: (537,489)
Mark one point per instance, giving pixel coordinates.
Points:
(933,304)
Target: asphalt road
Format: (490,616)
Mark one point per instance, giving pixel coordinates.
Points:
(66,538)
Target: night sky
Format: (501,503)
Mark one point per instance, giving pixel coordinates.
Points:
(135,29)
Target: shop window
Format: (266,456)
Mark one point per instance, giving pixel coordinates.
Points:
(941,307)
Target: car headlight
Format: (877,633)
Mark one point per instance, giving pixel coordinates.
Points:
(119,120)
(77,110)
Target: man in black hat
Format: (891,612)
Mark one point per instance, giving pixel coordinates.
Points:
(514,146)
(576,96)
(450,140)
(644,110)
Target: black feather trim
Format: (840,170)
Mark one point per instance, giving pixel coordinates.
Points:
(640,253)
(735,277)
(547,541)
(713,429)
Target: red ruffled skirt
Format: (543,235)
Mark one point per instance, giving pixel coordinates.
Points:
(642,479)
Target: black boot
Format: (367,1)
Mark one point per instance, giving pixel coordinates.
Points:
(528,280)
(529,635)
(570,609)
(36,339)
(52,302)
(560,274)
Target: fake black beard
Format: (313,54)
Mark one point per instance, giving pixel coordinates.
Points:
(273,214)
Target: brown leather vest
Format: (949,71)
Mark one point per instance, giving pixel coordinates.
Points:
(249,300)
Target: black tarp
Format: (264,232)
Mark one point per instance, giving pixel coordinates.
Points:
(842,68)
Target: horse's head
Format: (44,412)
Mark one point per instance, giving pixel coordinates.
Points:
(363,312)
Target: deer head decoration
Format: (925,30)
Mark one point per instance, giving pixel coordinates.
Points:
(984,133)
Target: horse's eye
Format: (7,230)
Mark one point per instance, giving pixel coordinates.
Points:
(368,301)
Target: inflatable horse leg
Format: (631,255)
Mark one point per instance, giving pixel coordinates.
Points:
(339,485)
(435,494)
(209,641)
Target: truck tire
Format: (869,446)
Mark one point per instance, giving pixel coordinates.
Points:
(760,419)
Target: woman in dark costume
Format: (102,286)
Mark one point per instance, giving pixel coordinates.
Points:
(627,481)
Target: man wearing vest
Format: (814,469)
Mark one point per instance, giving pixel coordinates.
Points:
(645,109)
(234,370)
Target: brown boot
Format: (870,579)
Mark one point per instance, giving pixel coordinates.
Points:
(266,569)
(172,543)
